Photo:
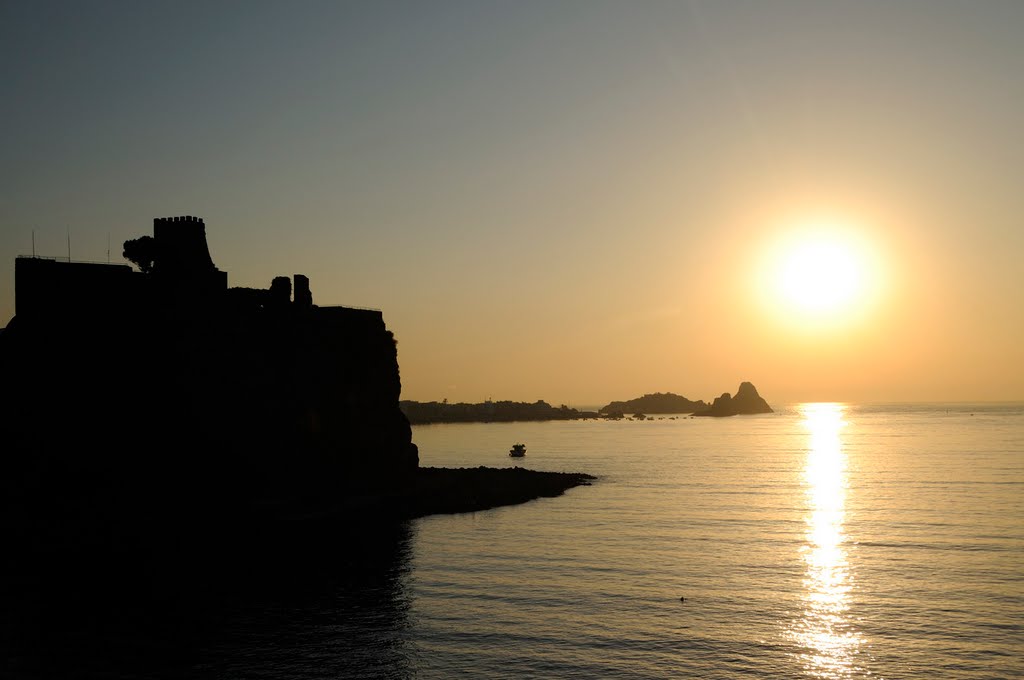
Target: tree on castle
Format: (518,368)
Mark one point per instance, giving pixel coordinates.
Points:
(142,252)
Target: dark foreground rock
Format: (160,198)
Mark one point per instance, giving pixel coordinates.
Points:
(225,532)
(442,491)
(146,600)
(448,490)
(61,554)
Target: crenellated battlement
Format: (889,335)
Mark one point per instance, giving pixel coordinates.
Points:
(168,226)
(183,252)
(178,218)
(176,228)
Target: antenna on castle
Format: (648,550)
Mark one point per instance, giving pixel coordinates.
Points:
(33,242)
(69,244)
(108,247)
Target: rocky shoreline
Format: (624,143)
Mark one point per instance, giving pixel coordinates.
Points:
(453,490)
(438,490)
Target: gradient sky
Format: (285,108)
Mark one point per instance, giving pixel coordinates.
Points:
(568,201)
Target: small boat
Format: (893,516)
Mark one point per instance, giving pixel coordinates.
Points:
(517,451)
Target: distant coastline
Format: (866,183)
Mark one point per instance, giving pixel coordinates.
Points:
(746,401)
(424,413)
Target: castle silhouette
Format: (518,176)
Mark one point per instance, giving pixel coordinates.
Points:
(164,393)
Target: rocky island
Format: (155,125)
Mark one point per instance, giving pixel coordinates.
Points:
(746,402)
(654,403)
(162,401)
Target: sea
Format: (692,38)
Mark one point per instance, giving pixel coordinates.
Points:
(825,540)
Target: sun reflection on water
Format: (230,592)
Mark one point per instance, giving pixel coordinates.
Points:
(823,630)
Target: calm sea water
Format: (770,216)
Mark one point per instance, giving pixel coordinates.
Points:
(823,541)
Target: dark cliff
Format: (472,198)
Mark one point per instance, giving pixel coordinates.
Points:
(145,398)
(746,402)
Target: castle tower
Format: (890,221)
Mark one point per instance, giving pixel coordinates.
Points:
(183,254)
(181,242)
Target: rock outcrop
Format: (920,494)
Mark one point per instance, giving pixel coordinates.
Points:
(452,490)
(746,402)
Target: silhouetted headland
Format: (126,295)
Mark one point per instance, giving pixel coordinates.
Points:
(137,403)
(454,490)
(746,402)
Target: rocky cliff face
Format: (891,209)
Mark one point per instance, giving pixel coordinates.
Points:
(147,401)
(746,402)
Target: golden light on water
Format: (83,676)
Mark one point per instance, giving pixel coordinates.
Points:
(823,629)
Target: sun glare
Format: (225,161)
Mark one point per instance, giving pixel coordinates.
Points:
(818,275)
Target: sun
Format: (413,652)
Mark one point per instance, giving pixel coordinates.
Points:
(819,274)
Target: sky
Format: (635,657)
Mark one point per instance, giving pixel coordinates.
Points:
(571,201)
